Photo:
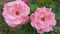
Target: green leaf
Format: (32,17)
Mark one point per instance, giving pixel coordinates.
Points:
(33,7)
(57,13)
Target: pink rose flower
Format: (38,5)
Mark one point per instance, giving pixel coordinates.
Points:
(43,20)
(16,13)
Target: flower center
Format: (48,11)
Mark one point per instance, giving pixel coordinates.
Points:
(43,19)
(17,13)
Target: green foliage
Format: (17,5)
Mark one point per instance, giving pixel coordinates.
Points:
(57,30)
(50,32)
(33,7)
(1,32)
(26,29)
(57,13)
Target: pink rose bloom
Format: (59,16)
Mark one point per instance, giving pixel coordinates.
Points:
(16,13)
(43,20)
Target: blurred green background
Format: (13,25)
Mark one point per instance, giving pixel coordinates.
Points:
(27,28)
